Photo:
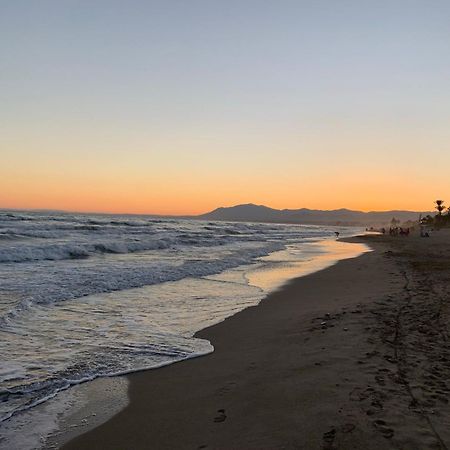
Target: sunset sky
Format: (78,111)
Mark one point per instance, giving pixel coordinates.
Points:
(177,107)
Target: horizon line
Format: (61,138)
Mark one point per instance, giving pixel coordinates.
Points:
(67,211)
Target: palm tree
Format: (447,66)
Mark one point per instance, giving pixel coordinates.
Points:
(440,206)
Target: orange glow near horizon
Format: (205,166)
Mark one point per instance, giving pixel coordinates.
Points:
(198,105)
(190,197)
(191,176)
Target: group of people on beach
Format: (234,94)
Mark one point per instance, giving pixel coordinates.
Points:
(402,231)
(397,231)
(393,230)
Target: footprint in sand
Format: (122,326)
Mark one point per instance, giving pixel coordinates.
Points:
(221,416)
(328,438)
(381,426)
(226,389)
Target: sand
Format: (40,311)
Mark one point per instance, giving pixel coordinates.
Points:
(354,357)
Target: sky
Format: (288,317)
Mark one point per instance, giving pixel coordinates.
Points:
(178,107)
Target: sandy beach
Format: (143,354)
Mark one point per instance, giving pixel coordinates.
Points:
(223,225)
(355,356)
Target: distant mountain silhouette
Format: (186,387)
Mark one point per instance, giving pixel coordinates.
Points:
(260,213)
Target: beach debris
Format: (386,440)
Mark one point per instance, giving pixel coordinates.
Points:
(345,329)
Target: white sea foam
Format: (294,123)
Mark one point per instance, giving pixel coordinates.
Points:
(84,296)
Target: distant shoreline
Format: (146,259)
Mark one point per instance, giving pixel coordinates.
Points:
(262,214)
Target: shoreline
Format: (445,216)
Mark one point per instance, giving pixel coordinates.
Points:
(85,406)
(221,341)
(353,356)
(92,400)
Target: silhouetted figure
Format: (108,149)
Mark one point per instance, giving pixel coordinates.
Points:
(404,231)
(337,234)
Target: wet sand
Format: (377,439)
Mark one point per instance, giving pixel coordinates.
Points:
(355,357)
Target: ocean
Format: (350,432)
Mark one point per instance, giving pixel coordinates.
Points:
(84,296)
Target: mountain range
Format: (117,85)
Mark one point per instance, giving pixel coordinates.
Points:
(345,217)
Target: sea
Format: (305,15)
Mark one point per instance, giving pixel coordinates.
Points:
(84,296)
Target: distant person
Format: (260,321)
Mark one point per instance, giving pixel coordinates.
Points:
(337,234)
